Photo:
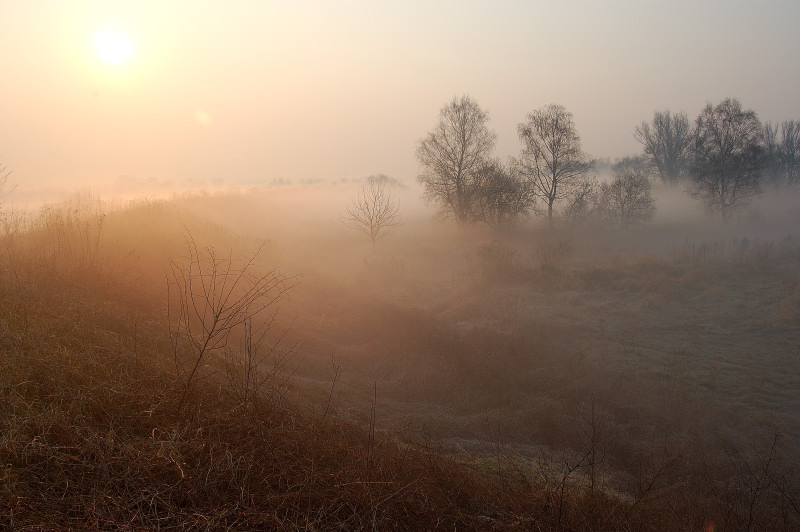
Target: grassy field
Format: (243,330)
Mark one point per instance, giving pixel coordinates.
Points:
(450,379)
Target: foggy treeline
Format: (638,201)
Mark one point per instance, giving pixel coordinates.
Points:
(724,158)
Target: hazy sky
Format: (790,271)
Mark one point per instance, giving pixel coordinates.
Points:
(247,91)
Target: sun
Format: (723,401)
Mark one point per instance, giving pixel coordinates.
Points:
(113,46)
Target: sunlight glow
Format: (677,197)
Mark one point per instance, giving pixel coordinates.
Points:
(113,46)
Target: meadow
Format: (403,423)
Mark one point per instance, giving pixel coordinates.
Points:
(542,379)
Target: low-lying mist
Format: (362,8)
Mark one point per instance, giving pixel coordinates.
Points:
(682,328)
(668,347)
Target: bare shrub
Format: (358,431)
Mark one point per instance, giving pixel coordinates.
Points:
(209,297)
(628,199)
(501,196)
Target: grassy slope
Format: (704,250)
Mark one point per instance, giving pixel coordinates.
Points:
(91,436)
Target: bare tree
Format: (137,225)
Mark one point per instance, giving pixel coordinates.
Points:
(628,200)
(501,196)
(728,156)
(374,211)
(667,142)
(453,153)
(552,159)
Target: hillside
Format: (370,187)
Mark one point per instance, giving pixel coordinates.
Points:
(449,381)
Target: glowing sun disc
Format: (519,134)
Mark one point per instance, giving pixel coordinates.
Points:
(113,46)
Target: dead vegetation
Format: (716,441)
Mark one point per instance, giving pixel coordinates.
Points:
(441,384)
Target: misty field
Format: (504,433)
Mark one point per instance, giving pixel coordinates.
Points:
(452,377)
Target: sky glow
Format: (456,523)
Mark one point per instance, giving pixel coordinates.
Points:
(253,92)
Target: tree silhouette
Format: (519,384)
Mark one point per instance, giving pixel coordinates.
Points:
(452,155)
(728,156)
(374,211)
(667,142)
(552,159)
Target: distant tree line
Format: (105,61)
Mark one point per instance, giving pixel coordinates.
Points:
(464,178)
(723,159)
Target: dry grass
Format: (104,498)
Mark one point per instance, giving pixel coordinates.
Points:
(494,387)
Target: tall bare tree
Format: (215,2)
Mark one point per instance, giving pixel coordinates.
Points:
(667,142)
(453,153)
(374,211)
(552,159)
(728,156)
